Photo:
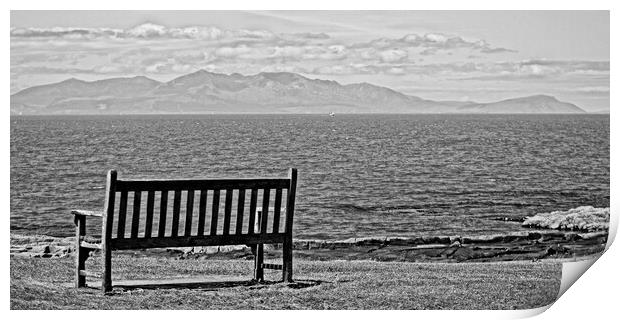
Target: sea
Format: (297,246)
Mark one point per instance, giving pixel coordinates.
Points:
(359,175)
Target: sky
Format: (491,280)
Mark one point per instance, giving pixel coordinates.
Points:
(441,55)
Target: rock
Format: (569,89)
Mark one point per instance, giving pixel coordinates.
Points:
(232,248)
(18,249)
(437,240)
(210,249)
(397,241)
(585,218)
(40,249)
(484,239)
(534,236)
(456,243)
(556,249)
(592,235)
(350,240)
(570,237)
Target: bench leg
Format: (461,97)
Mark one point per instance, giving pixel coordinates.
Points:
(258,263)
(80,279)
(106,282)
(81,254)
(287,260)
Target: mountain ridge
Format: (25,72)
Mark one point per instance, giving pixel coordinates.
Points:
(266,92)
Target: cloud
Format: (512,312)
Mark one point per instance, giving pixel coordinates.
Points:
(393,55)
(496,50)
(281,68)
(308,35)
(341,70)
(169,67)
(98,70)
(568,65)
(540,69)
(396,71)
(234,52)
(432,43)
(108,50)
(50,70)
(112,69)
(280,54)
(61,32)
(410,48)
(599,90)
(332,52)
(150,31)
(527,69)
(361,69)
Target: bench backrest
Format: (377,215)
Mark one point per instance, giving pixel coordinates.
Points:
(169,213)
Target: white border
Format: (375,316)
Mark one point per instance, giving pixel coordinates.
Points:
(312,5)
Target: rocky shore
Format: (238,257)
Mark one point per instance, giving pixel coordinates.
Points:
(577,232)
(517,246)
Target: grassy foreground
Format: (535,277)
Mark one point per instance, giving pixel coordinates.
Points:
(38,283)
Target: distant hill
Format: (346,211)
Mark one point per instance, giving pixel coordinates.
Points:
(283,92)
(531,104)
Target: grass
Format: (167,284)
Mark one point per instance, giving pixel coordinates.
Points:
(47,284)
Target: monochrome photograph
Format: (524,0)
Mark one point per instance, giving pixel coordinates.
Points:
(309,159)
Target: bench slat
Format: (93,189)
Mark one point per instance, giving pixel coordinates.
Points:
(211,184)
(122,214)
(214,212)
(197,241)
(276,210)
(240,207)
(252,218)
(176,211)
(150,204)
(227,211)
(265,215)
(135,218)
(202,212)
(189,212)
(87,213)
(272,266)
(163,208)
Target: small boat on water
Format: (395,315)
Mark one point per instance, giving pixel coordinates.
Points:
(331,114)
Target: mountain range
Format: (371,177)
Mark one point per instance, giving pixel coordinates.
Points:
(283,92)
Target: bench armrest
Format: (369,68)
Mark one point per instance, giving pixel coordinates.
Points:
(87,213)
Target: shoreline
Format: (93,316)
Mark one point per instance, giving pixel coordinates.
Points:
(526,245)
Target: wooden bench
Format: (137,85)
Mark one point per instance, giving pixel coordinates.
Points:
(128,223)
